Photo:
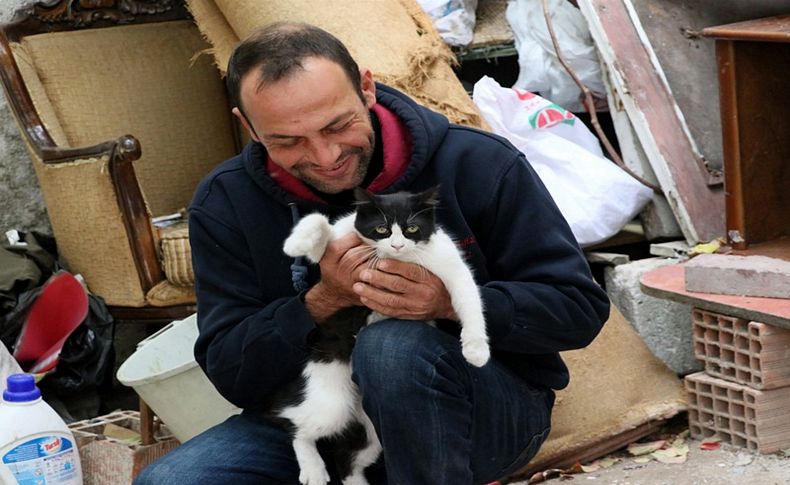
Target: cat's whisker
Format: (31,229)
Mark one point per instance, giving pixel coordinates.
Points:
(365,252)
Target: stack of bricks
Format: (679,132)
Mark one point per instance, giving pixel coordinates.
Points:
(743,396)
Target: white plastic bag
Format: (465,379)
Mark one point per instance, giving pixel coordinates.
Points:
(596,197)
(539,69)
(454,19)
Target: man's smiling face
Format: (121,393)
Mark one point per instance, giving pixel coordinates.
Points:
(313,123)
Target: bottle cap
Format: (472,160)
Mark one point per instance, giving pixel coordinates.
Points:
(21,388)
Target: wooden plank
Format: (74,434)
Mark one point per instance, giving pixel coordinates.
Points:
(657,218)
(690,189)
(669,283)
(772,29)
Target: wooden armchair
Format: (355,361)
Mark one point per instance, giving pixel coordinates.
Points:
(122,117)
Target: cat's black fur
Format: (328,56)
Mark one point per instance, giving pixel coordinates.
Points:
(403,208)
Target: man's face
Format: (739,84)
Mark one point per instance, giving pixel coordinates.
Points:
(313,123)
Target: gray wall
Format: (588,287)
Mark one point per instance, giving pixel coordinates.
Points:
(21,206)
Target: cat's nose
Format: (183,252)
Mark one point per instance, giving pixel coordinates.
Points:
(397,246)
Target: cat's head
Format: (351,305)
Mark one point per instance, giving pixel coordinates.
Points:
(396,223)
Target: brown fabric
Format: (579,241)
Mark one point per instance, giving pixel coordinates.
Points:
(491,26)
(395,39)
(166,294)
(616,385)
(37,94)
(141,80)
(177,255)
(87,225)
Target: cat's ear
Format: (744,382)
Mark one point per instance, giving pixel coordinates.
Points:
(429,197)
(362,196)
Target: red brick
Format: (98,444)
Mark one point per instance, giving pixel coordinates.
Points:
(739,415)
(750,353)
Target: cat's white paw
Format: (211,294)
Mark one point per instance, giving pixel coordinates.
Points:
(476,351)
(309,238)
(314,475)
(355,479)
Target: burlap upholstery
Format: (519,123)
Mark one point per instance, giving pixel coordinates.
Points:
(617,384)
(94,85)
(167,294)
(88,227)
(139,79)
(38,95)
(395,39)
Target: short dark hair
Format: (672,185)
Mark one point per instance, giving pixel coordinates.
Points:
(278,49)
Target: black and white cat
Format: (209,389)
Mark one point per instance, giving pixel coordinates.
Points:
(324,402)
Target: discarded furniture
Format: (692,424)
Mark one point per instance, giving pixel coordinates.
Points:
(754,71)
(122,117)
(692,187)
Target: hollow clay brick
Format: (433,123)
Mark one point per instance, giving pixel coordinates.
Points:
(750,353)
(738,414)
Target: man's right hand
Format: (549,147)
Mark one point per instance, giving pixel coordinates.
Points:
(343,260)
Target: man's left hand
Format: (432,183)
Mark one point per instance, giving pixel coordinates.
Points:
(404,290)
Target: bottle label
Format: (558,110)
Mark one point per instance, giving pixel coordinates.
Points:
(49,460)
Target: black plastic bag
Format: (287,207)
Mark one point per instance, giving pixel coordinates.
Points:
(88,356)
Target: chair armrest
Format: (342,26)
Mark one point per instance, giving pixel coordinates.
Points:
(120,152)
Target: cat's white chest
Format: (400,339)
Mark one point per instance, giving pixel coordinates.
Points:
(330,399)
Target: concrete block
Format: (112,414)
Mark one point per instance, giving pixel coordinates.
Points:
(671,249)
(749,353)
(739,415)
(739,275)
(665,326)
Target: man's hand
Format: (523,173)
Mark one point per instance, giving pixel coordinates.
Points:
(404,290)
(340,267)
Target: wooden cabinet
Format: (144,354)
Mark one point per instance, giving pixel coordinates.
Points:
(754,90)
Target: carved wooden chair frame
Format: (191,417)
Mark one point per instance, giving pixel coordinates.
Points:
(64,15)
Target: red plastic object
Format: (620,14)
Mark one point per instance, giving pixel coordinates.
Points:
(54,315)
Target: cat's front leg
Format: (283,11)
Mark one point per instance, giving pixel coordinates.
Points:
(309,238)
(312,469)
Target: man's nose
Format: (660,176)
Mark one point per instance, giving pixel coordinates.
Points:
(324,152)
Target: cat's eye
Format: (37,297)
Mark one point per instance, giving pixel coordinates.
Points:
(412,229)
(382,229)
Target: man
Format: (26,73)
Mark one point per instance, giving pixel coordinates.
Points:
(320,126)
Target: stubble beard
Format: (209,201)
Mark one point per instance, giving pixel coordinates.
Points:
(364,155)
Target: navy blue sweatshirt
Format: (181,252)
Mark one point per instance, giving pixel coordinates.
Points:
(538,294)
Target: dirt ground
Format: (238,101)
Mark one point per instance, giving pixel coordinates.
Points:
(726,466)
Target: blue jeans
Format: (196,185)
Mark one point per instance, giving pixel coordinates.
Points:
(439,419)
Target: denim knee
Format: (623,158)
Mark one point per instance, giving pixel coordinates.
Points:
(393,357)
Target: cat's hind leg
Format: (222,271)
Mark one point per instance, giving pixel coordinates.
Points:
(309,238)
(312,469)
(364,451)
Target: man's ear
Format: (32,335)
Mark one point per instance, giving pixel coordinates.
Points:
(245,123)
(368,86)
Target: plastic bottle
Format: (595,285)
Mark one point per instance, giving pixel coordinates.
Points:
(36,446)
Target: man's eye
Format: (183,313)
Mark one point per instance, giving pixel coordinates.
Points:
(382,229)
(338,129)
(285,144)
(412,229)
